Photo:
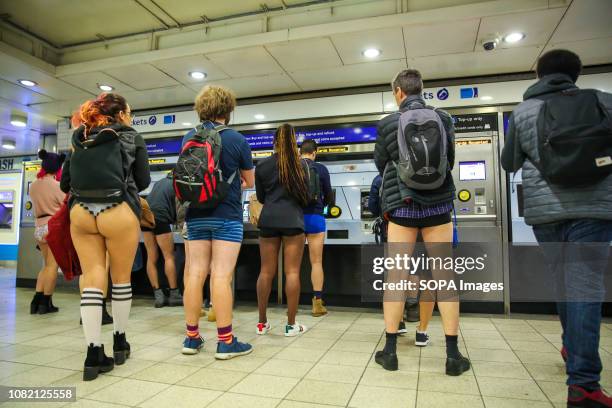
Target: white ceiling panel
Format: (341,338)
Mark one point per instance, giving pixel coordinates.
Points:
(246,62)
(305,54)
(351,45)
(142,76)
(89,81)
(585,19)
(536,25)
(440,38)
(20,94)
(591,52)
(179,68)
(349,75)
(476,63)
(153,98)
(258,86)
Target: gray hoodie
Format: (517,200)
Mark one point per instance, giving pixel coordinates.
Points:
(543,202)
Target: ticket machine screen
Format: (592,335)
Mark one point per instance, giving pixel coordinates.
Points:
(472,170)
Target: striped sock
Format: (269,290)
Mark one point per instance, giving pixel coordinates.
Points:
(91,315)
(224,334)
(193,331)
(121,295)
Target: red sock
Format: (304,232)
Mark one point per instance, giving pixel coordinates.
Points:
(193,331)
(224,334)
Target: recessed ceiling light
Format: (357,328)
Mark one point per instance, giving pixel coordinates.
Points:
(371,52)
(197,75)
(19,120)
(259,116)
(186,123)
(27,82)
(9,145)
(105,88)
(18,123)
(486,98)
(514,37)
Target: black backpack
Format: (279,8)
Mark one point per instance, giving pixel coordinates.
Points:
(100,167)
(197,177)
(313,181)
(574,138)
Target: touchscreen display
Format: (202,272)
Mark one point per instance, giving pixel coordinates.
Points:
(472,170)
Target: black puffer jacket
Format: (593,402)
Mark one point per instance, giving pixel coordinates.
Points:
(394,192)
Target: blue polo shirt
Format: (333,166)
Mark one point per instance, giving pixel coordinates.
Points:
(235,156)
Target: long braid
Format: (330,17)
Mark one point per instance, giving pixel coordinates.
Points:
(290,170)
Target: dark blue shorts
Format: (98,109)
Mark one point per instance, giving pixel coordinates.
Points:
(314,223)
(218,229)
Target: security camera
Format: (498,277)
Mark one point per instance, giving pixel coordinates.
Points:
(490,45)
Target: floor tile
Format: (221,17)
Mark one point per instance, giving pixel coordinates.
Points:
(496,402)
(37,377)
(243,401)
(526,345)
(463,384)
(245,364)
(181,397)
(354,346)
(214,379)
(504,356)
(510,388)
(84,388)
(165,373)
(382,397)
(555,391)
(320,392)
(87,403)
(284,368)
(431,399)
(497,369)
(8,368)
(298,404)
(300,354)
(265,386)
(537,357)
(347,358)
(131,366)
(128,391)
(335,373)
(384,378)
(547,372)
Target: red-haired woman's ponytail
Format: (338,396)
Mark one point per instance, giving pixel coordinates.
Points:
(100,111)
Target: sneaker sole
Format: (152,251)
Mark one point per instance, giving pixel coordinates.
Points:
(189,351)
(404,331)
(295,334)
(228,356)
(421,343)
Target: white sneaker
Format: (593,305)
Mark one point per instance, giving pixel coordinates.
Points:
(263,328)
(294,330)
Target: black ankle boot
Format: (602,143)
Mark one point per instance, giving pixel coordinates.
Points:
(35,301)
(457,366)
(387,360)
(46,305)
(121,348)
(52,308)
(106,318)
(96,362)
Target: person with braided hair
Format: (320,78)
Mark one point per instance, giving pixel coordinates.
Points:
(280,183)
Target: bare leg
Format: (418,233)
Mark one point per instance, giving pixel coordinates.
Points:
(224,257)
(166,244)
(268,250)
(199,253)
(293,249)
(49,270)
(315,250)
(152,255)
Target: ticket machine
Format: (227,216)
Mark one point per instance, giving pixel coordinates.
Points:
(29,262)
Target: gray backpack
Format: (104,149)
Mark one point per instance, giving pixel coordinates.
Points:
(423,146)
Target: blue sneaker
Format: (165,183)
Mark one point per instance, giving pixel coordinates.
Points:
(234,349)
(192,345)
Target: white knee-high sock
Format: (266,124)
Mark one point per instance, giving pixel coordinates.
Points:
(121,303)
(91,315)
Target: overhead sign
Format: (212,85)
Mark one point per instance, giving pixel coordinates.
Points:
(475,122)
(331,136)
(163,147)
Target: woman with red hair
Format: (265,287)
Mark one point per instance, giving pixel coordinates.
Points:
(47,198)
(106,170)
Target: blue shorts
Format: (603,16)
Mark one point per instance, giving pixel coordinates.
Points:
(314,223)
(219,229)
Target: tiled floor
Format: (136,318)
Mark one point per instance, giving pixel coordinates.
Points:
(516,362)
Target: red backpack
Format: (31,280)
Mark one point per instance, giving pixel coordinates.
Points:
(197,178)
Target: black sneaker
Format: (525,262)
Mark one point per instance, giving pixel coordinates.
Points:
(457,366)
(402,328)
(421,339)
(96,362)
(121,348)
(387,360)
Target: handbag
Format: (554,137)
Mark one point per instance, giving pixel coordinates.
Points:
(254,209)
(147,219)
(60,242)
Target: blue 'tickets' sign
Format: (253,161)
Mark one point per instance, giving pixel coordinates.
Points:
(467,93)
(442,94)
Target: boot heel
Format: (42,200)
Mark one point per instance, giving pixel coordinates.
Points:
(120,356)
(90,373)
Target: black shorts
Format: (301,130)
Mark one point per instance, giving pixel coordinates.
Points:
(432,221)
(279,232)
(160,228)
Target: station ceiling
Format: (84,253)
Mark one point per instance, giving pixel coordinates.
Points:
(145,49)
